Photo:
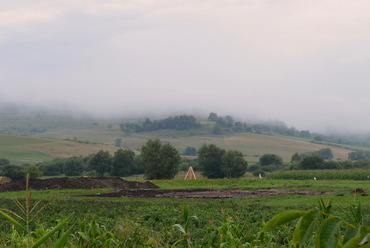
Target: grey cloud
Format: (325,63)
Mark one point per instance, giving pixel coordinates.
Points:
(304,63)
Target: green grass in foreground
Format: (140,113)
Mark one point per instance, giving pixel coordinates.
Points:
(141,220)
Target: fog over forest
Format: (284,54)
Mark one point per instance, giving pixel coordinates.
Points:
(303,63)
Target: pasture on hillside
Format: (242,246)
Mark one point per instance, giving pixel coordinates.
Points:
(21,149)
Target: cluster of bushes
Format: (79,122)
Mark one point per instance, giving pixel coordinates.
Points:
(357,174)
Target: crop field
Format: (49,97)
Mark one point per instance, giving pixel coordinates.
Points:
(155,222)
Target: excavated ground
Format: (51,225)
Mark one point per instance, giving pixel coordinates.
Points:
(75,183)
(124,188)
(204,193)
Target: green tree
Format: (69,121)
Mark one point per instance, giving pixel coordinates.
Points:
(210,161)
(123,163)
(4,161)
(118,142)
(212,117)
(139,165)
(73,167)
(295,158)
(13,172)
(52,168)
(312,162)
(101,162)
(358,155)
(190,151)
(233,164)
(160,161)
(271,159)
(217,130)
(33,171)
(325,153)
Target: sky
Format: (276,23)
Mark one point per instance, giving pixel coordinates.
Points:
(306,63)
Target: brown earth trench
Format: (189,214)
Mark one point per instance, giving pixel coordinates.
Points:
(124,188)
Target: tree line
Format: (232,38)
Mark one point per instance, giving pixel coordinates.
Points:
(181,122)
(157,160)
(226,124)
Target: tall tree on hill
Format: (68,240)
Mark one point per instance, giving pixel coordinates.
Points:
(161,161)
(271,159)
(123,163)
(312,162)
(212,117)
(101,162)
(73,167)
(210,161)
(233,164)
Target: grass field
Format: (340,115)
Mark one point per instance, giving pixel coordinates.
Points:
(20,149)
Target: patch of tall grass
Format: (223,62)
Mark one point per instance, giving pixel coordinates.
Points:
(354,174)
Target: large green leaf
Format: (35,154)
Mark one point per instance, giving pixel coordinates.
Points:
(47,235)
(282,218)
(304,227)
(349,235)
(327,233)
(15,223)
(361,239)
(63,239)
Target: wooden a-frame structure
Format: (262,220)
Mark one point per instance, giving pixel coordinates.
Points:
(190,174)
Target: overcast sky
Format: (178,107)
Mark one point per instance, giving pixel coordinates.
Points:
(306,63)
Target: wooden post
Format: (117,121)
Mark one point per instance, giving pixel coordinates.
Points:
(190,174)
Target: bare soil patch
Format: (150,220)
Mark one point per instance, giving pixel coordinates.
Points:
(204,193)
(124,188)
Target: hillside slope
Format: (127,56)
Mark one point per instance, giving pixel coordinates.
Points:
(29,150)
(84,133)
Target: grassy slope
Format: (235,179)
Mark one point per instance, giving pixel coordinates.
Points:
(28,149)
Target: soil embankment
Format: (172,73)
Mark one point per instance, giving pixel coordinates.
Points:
(75,183)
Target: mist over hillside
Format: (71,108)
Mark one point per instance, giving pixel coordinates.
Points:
(17,118)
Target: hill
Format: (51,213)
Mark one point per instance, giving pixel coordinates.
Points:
(51,136)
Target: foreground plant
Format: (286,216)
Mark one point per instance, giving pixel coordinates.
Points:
(22,235)
(184,229)
(319,228)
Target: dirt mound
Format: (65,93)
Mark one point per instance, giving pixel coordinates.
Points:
(4,180)
(75,183)
(358,190)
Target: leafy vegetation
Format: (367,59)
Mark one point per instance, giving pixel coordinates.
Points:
(160,161)
(185,223)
